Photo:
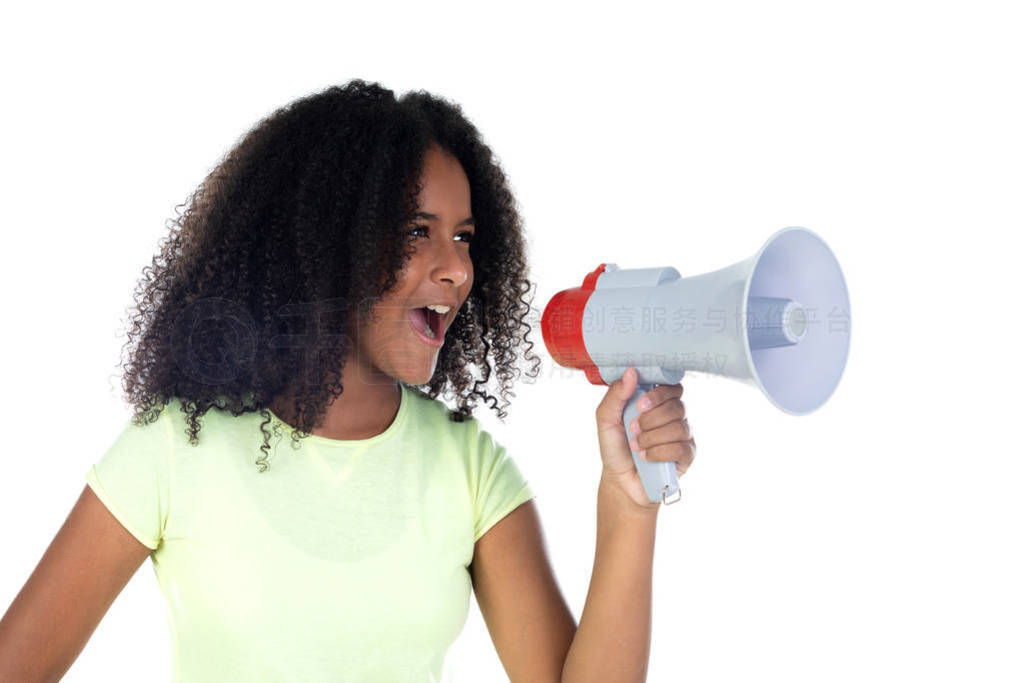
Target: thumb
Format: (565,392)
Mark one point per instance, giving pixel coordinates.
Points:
(609,410)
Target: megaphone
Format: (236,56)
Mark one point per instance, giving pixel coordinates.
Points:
(778,321)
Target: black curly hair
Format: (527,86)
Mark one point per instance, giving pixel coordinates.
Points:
(301,223)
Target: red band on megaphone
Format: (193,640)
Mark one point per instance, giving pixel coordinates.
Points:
(562,327)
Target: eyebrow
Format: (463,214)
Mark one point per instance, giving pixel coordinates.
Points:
(432,217)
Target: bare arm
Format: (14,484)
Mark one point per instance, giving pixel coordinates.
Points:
(86,566)
(613,640)
(522,606)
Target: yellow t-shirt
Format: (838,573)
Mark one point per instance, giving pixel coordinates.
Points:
(345,560)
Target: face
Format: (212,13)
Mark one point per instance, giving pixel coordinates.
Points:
(439,272)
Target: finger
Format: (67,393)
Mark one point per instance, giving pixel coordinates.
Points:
(609,410)
(670,452)
(676,431)
(670,411)
(662,393)
(684,463)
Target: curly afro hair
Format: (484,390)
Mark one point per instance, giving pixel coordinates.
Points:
(302,222)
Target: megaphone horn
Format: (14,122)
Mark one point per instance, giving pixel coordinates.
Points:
(779,320)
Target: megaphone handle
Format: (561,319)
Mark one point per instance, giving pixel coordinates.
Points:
(659,478)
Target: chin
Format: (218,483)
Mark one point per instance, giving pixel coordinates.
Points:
(412,376)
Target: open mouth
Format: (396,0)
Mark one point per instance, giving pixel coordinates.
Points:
(428,323)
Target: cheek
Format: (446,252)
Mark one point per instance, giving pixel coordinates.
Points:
(372,331)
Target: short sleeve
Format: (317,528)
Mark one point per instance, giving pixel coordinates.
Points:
(133,479)
(498,487)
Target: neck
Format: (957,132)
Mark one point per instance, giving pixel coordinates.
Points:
(366,407)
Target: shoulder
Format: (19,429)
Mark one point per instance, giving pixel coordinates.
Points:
(151,428)
(174,417)
(436,420)
(435,413)
(144,446)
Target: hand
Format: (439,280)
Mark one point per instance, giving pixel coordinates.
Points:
(664,434)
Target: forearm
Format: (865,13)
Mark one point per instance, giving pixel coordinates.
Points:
(613,640)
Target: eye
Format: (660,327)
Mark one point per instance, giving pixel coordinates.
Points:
(468,234)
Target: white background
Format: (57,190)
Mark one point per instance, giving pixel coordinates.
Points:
(878,538)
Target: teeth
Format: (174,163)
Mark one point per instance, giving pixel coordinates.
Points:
(427,329)
(440,310)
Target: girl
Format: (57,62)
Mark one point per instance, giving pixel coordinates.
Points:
(351,258)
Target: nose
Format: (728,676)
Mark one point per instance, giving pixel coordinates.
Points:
(451,265)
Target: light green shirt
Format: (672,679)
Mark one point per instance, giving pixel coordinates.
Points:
(344,561)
